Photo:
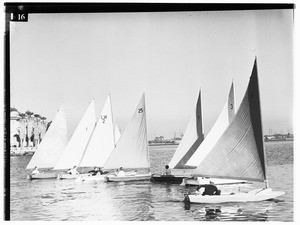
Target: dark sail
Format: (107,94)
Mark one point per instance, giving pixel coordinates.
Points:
(199,120)
(239,152)
(226,116)
(189,148)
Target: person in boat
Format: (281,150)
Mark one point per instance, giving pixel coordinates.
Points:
(73,171)
(209,189)
(167,171)
(35,170)
(95,171)
(121,172)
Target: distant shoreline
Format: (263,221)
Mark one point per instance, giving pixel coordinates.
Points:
(30,150)
(162,144)
(22,151)
(278,140)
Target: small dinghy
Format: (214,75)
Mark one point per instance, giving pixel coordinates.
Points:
(77,145)
(131,151)
(91,143)
(251,196)
(50,148)
(193,146)
(239,153)
(192,138)
(168,179)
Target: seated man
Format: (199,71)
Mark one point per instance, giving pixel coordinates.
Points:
(210,189)
(73,171)
(121,173)
(168,171)
(35,170)
(95,171)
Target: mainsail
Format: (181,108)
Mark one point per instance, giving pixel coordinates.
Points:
(102,141)
(132,148)
(224,119)
(78,142)
(193,137)
(117,134)
(239,152)
(53,143)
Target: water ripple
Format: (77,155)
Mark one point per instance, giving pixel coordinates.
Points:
(66,200)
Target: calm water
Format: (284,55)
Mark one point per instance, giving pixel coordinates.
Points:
(68,200)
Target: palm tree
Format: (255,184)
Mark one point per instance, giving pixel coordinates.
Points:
(29,113)
(23,121)
(29,126)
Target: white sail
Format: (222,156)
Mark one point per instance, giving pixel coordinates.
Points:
(192,138)
(78,142)
(239,152)
(117,134)
(132,148)
(216,131)
(53,143)
(102,141)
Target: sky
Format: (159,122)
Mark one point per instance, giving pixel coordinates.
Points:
(73,58)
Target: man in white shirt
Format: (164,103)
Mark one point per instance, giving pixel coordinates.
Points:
(73,171)
(35,170)
(121,173)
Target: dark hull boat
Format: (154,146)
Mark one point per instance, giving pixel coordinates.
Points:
(169,179)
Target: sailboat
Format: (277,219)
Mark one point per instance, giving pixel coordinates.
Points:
(131,151)
(51,147)
(78,143)
(102,143)
(193,137)
(239,152)
(225,118)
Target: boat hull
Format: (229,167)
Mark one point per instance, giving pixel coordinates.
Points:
(251,196)
(91,178)
(169,179)
(62,176)
(216,181)
(136,177)
(42,176)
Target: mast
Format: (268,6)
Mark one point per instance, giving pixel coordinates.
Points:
(147,145)
(112,120)
(255,113)
(199,118)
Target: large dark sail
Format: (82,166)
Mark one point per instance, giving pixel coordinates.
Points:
(199,123)
(255,113)
(193,137)
(239,152)
(196,144)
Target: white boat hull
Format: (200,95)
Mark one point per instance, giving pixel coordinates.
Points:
(133,177)
(251,196)
(91,178)
(216,181)
(61,176)
(42,176)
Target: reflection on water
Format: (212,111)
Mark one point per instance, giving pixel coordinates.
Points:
(144,201)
